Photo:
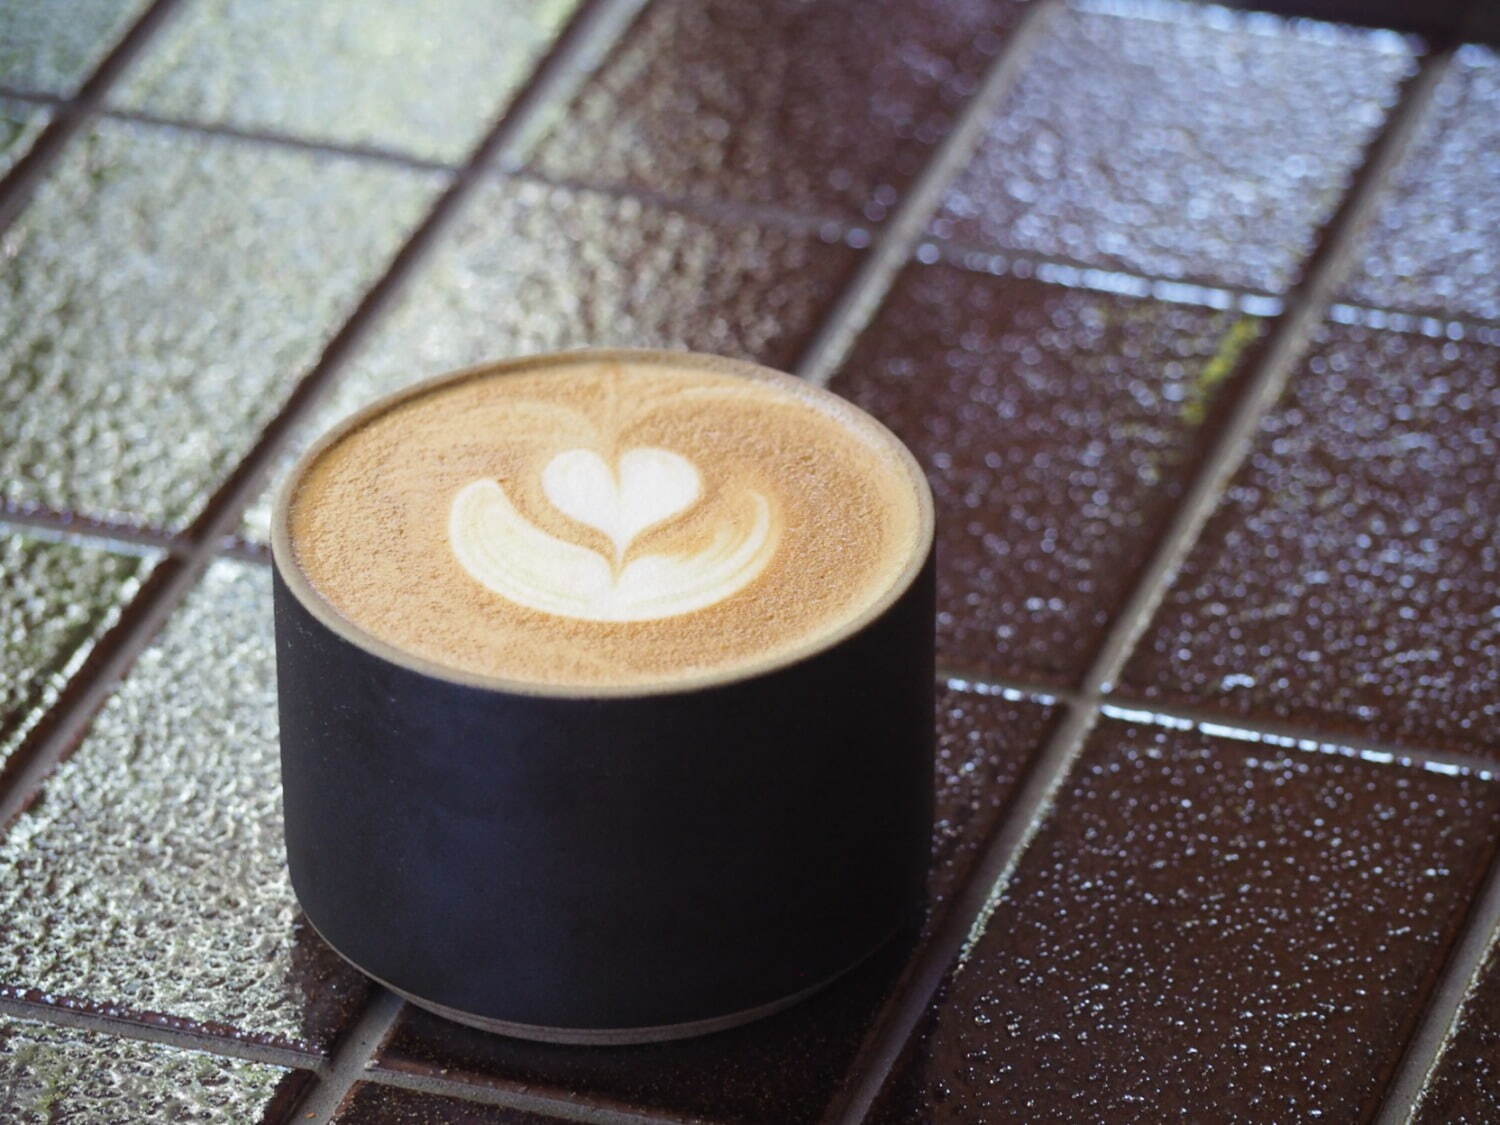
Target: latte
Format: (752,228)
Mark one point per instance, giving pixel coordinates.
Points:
(607,520)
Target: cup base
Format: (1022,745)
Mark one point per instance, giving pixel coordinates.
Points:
(610,1036)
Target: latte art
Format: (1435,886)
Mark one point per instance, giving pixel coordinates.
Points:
(505,552)
(600,521)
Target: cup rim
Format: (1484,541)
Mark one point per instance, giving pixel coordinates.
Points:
(297,582)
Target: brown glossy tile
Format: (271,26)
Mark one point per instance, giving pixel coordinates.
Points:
(1205,929)
(51,1074)
(1464,1088)
(1432,246)
(1347,580)
(1177,141)
(58,597)
(785,1068)
(370,1104)
(20,124)
(530,268)
(149,880)
(427,79)
(52,46)
(827,108)
(161,296)
(1058,427)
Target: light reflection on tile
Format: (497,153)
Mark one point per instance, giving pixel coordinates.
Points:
(20,123)
(150,879)
(428,79)
(1058,427)
(530,268)
(161,295)
(57,598)
(61,1074)
(830,107)
(1433,245)
(1205,929)
(1179,146)
(52,46)
(1347,580)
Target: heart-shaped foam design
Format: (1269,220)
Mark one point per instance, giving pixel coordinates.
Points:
(652,485)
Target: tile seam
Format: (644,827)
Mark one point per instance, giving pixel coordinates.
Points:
(1305,304)
(323,1096)
(271,138)
(76,112)
(1441,1016)
(141,1031)
(92,530)
(896,240)
(527,1099)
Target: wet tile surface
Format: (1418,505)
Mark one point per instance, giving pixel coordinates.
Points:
(1206,929)
(1058,427)
(150,881)
(785,1068)
(20,123)
(160,297)
(427,79)
(1190,143)
(369,1104)
(57,599)
(61,1074)
(831,108)
(1465,1087)
(52,46)
(1432,247)
(530,268)
(1348,578)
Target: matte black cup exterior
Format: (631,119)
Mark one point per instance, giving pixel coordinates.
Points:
(605,868)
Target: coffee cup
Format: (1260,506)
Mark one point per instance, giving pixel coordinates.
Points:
(606,689)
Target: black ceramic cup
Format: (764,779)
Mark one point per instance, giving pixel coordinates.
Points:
(605,867)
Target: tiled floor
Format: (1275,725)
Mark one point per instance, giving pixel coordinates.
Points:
(1190,313)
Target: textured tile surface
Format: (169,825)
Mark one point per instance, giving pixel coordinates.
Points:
(20,122)
(1433,246)
(1057,427)
(425,78)
(783,1069)
(57,598)
(1465,1087)
(830,107)
(60,1074)
(1349,577)
(1178,145)
(1206,929)
(52,46)
(150,879)
(158,299)
(528,268)
(369,1104)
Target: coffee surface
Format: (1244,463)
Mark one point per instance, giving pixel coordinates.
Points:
(608,521)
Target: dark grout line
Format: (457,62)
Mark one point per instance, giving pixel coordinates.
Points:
(1047,773)
(372,153)
(527,1100)
(143,1031)
(36,97)
(1440,1018)
(83,528)
(897,239)
(321,1100)
(76,112)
